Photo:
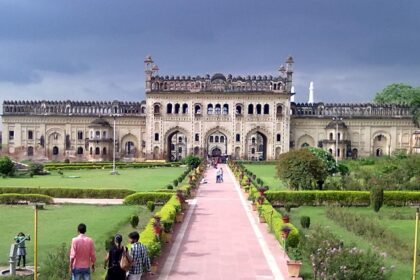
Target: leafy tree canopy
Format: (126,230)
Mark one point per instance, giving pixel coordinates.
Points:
(326,158)
(301,169)
(397,93)
(7,167)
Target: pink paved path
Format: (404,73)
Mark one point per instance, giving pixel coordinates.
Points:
(219,242)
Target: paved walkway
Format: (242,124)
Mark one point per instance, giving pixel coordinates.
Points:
(222,239)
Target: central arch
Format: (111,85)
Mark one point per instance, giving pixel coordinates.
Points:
(176,143)
(216,139)
(256,145)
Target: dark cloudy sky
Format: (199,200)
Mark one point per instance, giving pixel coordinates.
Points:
(94,49)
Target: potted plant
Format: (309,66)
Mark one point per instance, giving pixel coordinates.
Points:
(261,217)
(285,230)
(179,216)
(157,227)
(295,261)
(167,232)
(262,190)
(261,199)
(285,218)
(181,198)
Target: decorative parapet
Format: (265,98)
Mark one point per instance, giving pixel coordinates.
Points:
(328,110)
(74,108)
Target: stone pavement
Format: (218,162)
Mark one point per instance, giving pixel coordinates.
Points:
(221,239)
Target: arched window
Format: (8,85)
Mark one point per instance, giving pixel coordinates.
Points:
(184,108)
(250,109)
(217,109)
(330,150)
(253,140)
(278,137)
(280,110)
(197,109)
(222,139)
(266,109)
(216,139)
(177,107)
(156,136)
(253,151)
(30,151)
(104,151)
(55,150)
(338,152)
(180,150)
(179,139)
(210,109)
(331,136)
(169,108)
(238,110)
(97,151)
(211,139)
(80,151)
(156,109)
(339,136)
(238,137)
(225,109)
(90,151)
(258,109)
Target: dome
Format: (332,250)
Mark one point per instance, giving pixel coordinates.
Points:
(333,125)
(100,122)
(218,76)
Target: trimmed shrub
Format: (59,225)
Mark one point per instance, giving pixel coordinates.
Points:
(151,206)
(36,168)
(16,198)
(376,198)
(175,183)
(134,221)
(141,198)
(305,221)
(70,193)
(7,167)
(169,187)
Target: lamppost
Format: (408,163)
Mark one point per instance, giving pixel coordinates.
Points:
(336,119)
(36,206)
(114,171)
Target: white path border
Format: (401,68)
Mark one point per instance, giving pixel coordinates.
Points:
(271,261)
(173,253)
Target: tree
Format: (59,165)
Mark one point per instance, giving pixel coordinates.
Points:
(326,158)
(192,161)
(397,93)
(376,198)
(7,167)
(301,169)
(415,110)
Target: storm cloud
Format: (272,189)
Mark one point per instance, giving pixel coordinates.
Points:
(94,50)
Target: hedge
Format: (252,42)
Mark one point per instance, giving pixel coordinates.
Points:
(340,198)
(105,165)
(148,236)
(17,198)
(141,198)
(70,193)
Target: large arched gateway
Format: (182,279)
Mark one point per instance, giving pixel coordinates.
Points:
(256,145)
(176,144)
(217,144)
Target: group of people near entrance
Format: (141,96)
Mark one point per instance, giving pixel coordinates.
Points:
(121,263)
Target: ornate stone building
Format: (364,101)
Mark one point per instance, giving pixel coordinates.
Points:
(251,117)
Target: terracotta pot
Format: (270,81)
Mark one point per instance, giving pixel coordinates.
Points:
(286,220)
(154,268)
(179,218)
(254,207)
(167,237)
(293,267)
(261,219)
(184,206)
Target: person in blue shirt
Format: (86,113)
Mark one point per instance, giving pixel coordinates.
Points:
(21,250)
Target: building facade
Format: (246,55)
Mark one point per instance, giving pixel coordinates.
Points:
(251,117)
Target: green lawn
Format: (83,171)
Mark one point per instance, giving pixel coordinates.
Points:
(57,225)
(140,179)
(404,229)
(267,173)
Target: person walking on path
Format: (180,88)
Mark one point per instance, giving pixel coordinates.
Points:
(82,255)
(113,260)
(139,256)
(218,176)
(21,250)
(221,175)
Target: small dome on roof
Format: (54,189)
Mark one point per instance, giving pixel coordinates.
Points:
(218,76)
(100,122)
(333,125)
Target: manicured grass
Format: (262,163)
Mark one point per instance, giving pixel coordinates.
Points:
(142,179)
(57,225)
(403,228)
(267,173)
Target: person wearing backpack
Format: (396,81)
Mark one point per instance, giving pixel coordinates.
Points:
(139,256)
(114,259)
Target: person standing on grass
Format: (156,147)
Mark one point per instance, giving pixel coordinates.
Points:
(82,255)
(21,247)
(139,257)
(113,260)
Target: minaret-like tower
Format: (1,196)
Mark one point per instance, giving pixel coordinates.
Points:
(289,73)
(311,93)
(148,71)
